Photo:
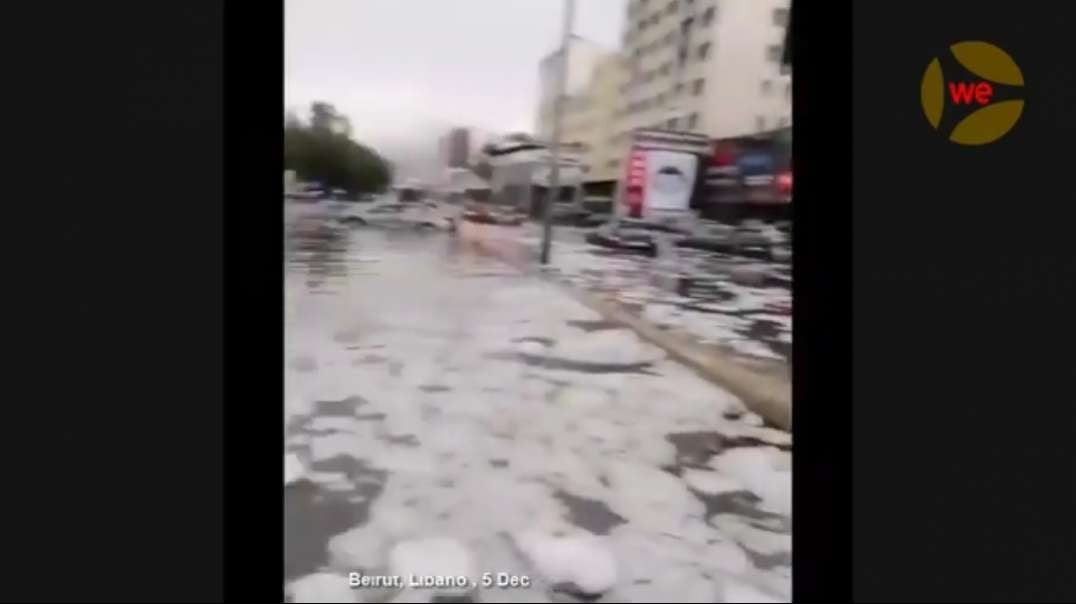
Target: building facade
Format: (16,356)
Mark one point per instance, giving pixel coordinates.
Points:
(710,66)
(592,89)
(455,148)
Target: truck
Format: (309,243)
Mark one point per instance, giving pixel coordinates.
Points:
(749,177)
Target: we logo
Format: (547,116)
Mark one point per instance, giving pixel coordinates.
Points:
(990,118)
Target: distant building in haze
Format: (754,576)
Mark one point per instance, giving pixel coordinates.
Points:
(456,148)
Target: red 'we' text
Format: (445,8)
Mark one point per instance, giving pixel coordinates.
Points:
(962,93)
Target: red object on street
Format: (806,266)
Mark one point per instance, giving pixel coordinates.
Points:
(724,155)
(784,182)
(636,182)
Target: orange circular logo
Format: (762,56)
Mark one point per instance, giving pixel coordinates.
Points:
(989,119)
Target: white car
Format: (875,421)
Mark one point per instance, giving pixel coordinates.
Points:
(389,213)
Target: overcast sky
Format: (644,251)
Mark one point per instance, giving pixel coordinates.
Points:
(404,70)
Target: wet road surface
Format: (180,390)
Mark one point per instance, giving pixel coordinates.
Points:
(453,416)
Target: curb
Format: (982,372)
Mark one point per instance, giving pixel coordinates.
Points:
(767,395)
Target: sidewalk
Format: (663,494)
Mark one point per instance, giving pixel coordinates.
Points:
(441,402)
(740,340)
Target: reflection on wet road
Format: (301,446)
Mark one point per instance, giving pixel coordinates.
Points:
(454,416)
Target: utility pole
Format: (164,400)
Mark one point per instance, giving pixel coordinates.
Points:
(558,107)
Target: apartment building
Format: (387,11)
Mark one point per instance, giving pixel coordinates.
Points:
(604,151)
(710,66)
(455,148)
(592,94)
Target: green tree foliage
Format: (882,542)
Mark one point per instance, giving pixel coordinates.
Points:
(321,150)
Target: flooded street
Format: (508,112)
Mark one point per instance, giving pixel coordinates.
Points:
(742,303)
(448,415)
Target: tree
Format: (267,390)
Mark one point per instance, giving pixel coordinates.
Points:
(321,150)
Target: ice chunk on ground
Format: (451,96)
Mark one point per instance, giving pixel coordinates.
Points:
(293,468)
(757,469)
(321,587)
(362,547)
(650,498)
(433,557)
(727,557)
(710,483)
(753,419)
(679,584)
(581,561)
(608,346)
(760,541)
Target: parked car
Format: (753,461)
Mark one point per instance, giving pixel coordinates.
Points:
(391,213)
(486,213)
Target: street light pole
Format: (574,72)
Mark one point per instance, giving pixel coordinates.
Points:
(558,107)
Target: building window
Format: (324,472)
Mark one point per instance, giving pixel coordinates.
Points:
(704,50)
(692,121)
(760,123)
(665,68)
(780,16)
(682,56)
(685,27)
(678,89)
(767,87)
(788,90)
(782,123)
(671,8)
(612,163)
(673,124)
(697,86)
(708,16)
(773,52)
(661,99)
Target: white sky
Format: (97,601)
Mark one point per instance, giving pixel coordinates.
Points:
(406,70)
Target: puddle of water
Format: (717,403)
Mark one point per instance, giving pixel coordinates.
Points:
(434,388)
(303,364)
(404,440)
(768,561)
(313,514)
(547,342)
(694,449)
(590,514)
(592,326)
(547,362)
(344,407)
(370,417)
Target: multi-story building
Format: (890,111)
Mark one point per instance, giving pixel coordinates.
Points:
(708,66)
(455,148)
(588,116)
